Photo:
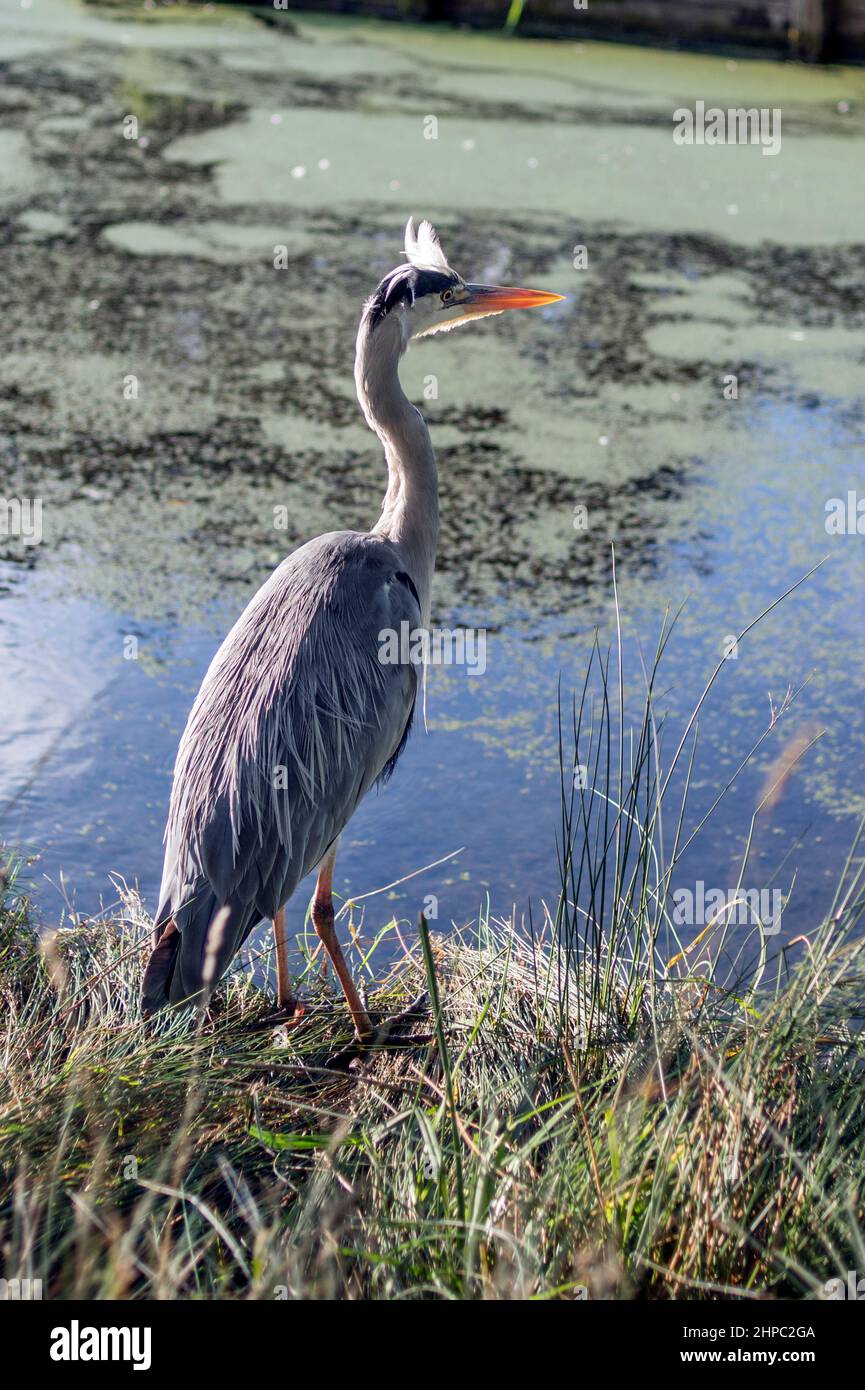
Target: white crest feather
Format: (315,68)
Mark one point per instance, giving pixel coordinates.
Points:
(423,248)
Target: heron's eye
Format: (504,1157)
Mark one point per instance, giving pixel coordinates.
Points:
(447,296)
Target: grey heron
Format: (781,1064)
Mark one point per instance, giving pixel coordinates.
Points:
(297,716)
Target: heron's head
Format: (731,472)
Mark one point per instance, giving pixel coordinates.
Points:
(426,296)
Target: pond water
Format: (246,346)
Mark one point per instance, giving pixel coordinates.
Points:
(153,259)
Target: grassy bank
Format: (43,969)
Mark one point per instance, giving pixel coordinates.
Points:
(707,1145)
(597,1103)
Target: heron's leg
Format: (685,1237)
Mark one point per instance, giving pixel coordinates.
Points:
(284,995)
(322,919)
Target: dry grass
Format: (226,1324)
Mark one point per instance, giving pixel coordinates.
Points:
(705,1148)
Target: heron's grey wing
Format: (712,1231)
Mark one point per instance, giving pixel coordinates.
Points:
(307,702)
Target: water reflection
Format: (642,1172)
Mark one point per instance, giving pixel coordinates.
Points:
(158,260)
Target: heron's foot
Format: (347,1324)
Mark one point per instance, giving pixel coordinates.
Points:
(384,1035)
(294,1014)
(364,1028)
(285,1016)
(291,1013)
(412,1013)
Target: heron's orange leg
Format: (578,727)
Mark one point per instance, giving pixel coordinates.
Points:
(322,920)
(284,995)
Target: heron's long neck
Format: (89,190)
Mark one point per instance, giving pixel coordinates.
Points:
(410,510)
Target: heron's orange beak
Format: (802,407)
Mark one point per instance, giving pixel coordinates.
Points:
(494,299)
(479,300)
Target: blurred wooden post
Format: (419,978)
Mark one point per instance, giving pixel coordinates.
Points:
(813,25)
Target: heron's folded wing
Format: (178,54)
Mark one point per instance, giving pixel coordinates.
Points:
(305,704)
